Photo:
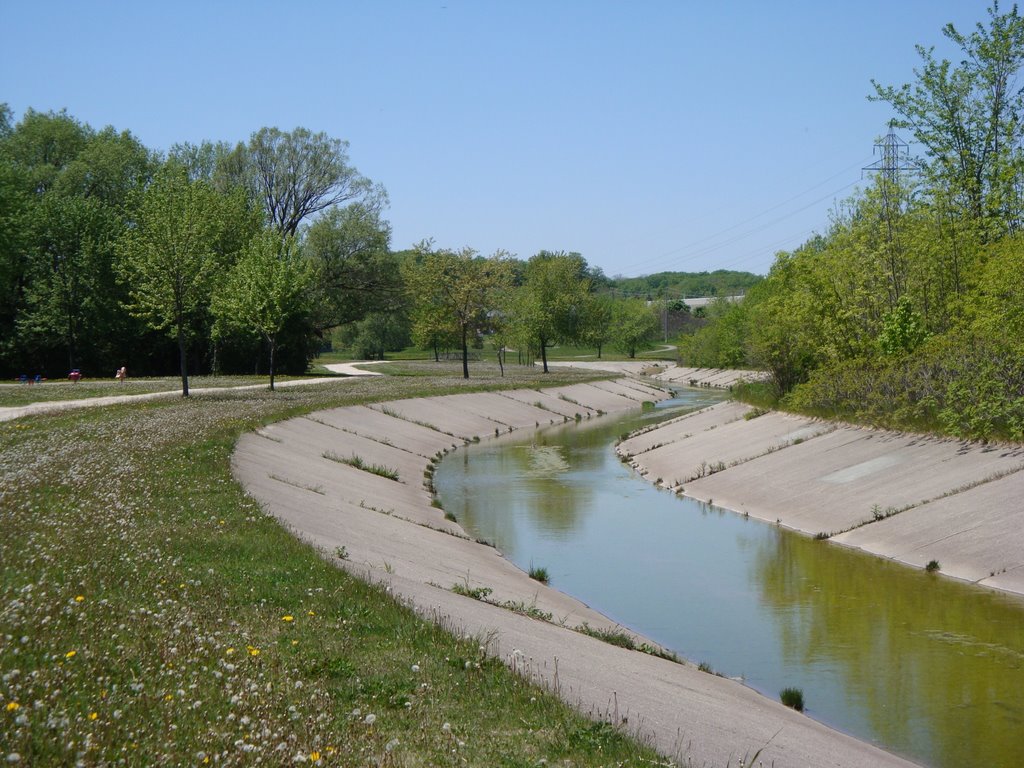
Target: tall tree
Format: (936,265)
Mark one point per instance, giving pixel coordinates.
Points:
(596,320)
(266,287)
(300,173)
(549,307)
(184,240)
(634,324)
(71,286)
(355,271)
(968,116)
(459,285)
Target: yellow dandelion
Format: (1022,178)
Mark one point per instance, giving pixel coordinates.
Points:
(288,618)
(311,613)
(295,642)
(70,654)
(79,598)
(329,750)
(13,705)
(254,651)
(220,522)
(168,696)
(93,715)
(314,756)
(229,651)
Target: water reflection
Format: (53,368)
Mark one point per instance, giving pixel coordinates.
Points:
(925,666)
(934,667)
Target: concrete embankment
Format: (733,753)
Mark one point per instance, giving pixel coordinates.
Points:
(392,534)
(911,498)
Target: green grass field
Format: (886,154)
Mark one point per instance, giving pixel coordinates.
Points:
(151,614)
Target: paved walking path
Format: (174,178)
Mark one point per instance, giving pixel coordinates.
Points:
(392,534)
(52,406)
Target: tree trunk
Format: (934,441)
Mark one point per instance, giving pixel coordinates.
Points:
(465,354)
(272,346)
(437,353)
(544,353)
(183,360)
(501,363)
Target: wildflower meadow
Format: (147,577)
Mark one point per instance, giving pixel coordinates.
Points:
(152,614)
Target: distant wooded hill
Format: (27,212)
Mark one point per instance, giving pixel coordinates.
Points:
(679,285)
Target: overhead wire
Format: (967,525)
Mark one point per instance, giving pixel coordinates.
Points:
(717,244)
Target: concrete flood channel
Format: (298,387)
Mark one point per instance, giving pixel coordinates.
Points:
(921,665)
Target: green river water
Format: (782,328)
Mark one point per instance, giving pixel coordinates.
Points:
(920,664)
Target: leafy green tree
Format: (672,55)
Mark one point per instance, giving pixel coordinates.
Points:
(42,145)
(184,240)
(69,292)
(356,273)
(109,168)
(967,116)
(596,320)
(634,324)
(266,287)
(376,334)
(457,285)
(434,328)
(548,308)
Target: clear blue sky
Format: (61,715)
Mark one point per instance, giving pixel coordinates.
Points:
(648,136)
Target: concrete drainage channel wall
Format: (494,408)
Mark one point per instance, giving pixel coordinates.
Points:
(301,472)
(912,498)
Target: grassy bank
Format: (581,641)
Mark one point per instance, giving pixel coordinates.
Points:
(150,613)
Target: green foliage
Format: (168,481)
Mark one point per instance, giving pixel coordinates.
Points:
(721,282)
(300,173)
(354,271)
(455,293)
(266,287)
(185,238)
(549,306)
(376,334)
(539,573)
(902,331)
(634,324)
(966,115)
(357,462)
(908,312)
(793,698)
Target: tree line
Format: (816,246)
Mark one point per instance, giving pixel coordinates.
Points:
(244,258)
(909,311)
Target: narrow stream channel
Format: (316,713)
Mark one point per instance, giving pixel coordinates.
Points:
(922,665)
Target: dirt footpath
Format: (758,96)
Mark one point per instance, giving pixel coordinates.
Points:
(389,532)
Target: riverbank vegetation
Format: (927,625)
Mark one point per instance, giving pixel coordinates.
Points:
(908,312)
(150,613)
